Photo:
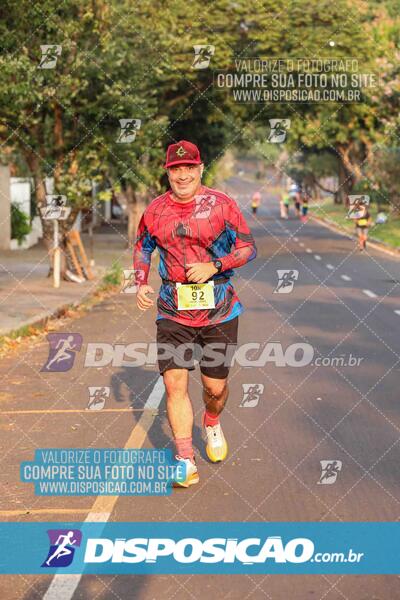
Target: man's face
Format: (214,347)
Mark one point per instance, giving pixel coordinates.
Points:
(185,180)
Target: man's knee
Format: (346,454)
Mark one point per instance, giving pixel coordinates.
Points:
(175,381)
(217,390)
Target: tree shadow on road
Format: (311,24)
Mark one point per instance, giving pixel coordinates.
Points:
(133,385)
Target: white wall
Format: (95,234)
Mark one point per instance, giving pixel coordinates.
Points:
(20,190)
(5,210)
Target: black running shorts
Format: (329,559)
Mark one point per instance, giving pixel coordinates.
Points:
(212,345)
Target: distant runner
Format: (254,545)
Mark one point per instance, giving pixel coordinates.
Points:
(304,206)
(255,202)
(201,236)
(363,223)
(295,195)
(284,205)
(297,204)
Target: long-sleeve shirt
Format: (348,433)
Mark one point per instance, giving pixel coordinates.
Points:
(209,227)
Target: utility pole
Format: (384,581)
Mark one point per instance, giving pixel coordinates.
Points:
(56,256)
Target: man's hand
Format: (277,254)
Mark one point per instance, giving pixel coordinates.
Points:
(200,272)
(142,301)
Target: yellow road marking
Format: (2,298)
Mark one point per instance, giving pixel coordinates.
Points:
(42,511)
(71,410)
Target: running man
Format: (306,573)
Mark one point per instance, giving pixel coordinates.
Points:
(201,236)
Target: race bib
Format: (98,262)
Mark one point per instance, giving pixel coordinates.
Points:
(195,296)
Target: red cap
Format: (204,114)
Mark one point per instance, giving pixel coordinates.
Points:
(183,152)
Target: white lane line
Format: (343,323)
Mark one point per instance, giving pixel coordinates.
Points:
(329,266)
(301,244)
(63,587)
(369,294)
(317,257)
(346,277)
(296,239)
(153,401)
(397,312)
(309,250)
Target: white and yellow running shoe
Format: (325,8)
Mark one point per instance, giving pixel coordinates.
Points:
(216,448)
(192,475)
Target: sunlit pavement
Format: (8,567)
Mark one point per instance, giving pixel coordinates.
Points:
(343,305)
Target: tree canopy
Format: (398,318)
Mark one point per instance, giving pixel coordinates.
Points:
(125,61)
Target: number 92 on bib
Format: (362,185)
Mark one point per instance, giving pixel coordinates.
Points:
(195,296)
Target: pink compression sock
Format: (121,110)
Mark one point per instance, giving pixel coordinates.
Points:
(184,448)
(210,420)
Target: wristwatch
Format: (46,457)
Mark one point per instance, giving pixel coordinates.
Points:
(218,265)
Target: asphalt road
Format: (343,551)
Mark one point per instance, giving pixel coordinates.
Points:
(342,305)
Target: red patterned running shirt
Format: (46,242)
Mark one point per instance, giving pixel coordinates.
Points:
(209,227)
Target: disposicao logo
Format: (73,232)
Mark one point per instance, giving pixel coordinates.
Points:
(191,550)
(62,547)
(62,349)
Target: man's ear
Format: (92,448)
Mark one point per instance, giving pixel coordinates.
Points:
(201,170)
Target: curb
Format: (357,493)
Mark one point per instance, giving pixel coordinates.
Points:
(376,244)
(42,319)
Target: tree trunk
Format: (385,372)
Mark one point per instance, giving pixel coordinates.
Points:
(47,225)
(64,228)
(130,198)
(35,166)
(48,230)
(33,160)
(341,196)
(131,224)
(135,206)
(58,141)
(349,171)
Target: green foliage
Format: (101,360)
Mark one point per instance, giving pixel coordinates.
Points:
(311,165)
(64,121)
(388,232)
(219,170)
(114,275)
(122,59)
(104,195)
(20,225)
(385,176)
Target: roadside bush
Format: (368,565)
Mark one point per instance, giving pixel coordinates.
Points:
(20,225)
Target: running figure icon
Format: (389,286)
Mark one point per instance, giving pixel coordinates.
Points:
(63,347)
(62,550)
(63,544)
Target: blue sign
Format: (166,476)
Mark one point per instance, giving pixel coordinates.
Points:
(103,472)
(191,548)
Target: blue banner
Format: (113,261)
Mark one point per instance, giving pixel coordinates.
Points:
(191,548)
(102,472)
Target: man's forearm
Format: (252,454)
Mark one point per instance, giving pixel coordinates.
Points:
(141,264)
(238,258)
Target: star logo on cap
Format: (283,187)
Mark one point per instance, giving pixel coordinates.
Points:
(181,151)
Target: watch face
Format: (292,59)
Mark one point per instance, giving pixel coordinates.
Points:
(218,264)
